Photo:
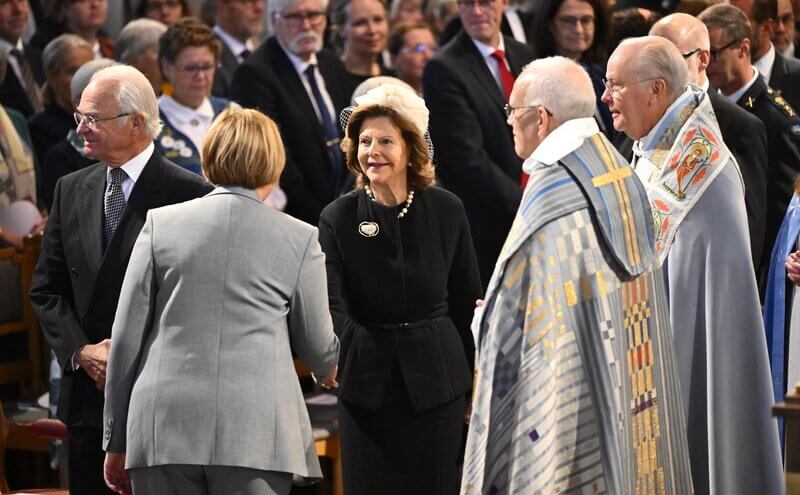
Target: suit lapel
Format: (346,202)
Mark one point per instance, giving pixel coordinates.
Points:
(291,81)
(91,216)
(480,69)
(515,58)
(778,71)
(143,197)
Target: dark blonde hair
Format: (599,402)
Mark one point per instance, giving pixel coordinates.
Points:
(420,173)
(243,148)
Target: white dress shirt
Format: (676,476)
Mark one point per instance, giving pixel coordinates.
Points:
(300,66)
(235,46)
(12,61)
(737,95)
(765,63)
(486,51)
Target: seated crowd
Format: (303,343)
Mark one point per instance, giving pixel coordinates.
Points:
(502,230)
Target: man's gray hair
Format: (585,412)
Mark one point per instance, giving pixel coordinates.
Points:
(731,21)
(659,59)
(84,74)
(134,95)
(55,53)
(276,6)
(137,37)
(560,85)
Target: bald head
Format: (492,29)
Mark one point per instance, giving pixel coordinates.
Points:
(690,36)
(645,75)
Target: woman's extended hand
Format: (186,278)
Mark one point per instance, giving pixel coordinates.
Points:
(793,267)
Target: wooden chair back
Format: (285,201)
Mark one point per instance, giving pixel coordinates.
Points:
(27,370)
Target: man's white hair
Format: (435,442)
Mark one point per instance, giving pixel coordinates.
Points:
(560,85)
(137,37)
(134,94)
(276,6)
(658,58)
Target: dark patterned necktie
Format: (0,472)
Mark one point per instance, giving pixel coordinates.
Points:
(329,129)
(114,204)
(28,81)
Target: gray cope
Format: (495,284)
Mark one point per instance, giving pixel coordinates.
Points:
(114,204)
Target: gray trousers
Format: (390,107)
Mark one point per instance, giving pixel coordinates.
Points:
(187,479)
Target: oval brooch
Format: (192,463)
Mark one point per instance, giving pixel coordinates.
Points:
(368,229)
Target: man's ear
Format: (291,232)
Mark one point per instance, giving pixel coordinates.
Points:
(704,58)
(137,123)
(659,87)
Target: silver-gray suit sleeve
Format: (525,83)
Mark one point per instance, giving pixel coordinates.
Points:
(310,325)
(132,324)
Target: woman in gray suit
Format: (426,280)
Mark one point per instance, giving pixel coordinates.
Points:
(201,392)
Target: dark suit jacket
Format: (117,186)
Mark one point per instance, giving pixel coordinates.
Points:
(785,78)
(783,156)
(454,27)
(224,74)
(76,285)
(747,140)
(12,94)
(746,137)
(268,82)
(474,146)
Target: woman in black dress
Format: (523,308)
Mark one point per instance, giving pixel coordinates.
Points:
(403,280)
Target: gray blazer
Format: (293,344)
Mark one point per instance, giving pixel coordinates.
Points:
(201,370)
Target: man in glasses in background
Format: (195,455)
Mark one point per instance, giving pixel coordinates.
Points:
(411,46)
(304,88)
(466,86)
(702,243)
(237,23)
(743,133)
(731,71)
(97,214)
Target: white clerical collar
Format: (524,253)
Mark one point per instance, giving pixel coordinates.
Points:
(737,95)
(643,143)
(133,167)
(236,46)
(765,63)
(487,50)
(7,46)
(299,64)
(564,139)
(183,114)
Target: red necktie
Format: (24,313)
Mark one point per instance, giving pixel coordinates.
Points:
(506,77)
(507,81)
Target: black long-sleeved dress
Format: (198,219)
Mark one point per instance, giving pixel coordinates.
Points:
(402,294)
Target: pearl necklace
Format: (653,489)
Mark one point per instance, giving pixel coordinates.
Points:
(403,212)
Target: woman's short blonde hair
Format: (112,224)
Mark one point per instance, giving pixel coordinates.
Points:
(243,148)
(420,171)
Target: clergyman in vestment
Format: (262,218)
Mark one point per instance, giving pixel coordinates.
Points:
(576,388)
(702,244)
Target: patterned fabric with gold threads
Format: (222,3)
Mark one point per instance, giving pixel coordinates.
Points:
(576,388)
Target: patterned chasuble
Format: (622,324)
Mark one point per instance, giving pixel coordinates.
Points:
(685,154)
(576,387)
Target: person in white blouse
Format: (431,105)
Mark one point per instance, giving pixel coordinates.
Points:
(188,54)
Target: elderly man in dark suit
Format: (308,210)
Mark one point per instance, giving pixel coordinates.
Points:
(744,134)
(20,89)
(303,87)
(780,73)
(466,86)
(96,216)
(236,24)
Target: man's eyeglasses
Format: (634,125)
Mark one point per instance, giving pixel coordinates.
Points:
(615,88)
(510,110)
(716,51)
(195,69)
(419,48)
(689,54)
(296,20)
(470,4)
(93,120)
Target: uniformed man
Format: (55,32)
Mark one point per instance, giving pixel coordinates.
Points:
(733,74)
